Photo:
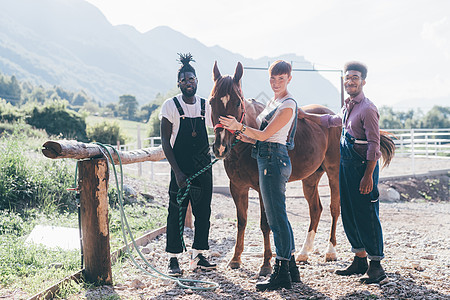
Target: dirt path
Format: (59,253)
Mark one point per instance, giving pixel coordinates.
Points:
(417,250)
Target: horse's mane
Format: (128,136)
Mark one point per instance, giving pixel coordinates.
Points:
(225,85)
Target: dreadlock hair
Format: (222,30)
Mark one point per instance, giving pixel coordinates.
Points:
(185,60)
(356,66)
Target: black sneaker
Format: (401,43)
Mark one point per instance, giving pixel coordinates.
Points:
(200,262)
(174,268)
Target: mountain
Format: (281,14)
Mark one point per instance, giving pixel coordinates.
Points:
(71,44)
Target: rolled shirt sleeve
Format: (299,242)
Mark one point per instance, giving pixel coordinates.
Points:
(372,132)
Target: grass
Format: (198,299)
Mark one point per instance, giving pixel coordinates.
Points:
(141,219)
(31,187)
(29,267)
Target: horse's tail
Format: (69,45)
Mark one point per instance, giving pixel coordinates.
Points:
(387,147)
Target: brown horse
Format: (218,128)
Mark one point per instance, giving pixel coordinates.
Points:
(316,151)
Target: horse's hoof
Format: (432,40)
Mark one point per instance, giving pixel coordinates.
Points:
(302,258)
(331,257)
(234,264)
(265,271)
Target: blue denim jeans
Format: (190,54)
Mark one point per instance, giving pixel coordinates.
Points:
(274,166)
(359,212)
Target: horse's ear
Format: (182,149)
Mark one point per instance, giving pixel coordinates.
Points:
(238,73)
(216,72)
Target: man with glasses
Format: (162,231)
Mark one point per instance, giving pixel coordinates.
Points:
(185,143)
(358,174)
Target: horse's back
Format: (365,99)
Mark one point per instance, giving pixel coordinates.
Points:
(312,144)
(317,109)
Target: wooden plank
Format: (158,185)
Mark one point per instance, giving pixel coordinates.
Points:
(53,290)
(141,241)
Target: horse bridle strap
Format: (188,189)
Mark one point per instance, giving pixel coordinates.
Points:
(218,125)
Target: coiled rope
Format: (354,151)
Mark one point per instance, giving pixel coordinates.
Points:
(180,281)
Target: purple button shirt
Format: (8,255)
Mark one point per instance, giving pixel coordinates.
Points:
(361,122)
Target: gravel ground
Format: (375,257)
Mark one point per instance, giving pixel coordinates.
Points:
(417,250)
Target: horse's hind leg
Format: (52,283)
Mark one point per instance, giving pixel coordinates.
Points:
(265,268)
(240,197)
(311,192)
(335,206)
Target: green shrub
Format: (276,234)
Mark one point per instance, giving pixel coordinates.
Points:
(9,113)
(56,119)
(28,180)
(106,133)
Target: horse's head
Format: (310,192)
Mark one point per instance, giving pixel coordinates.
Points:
(226,99)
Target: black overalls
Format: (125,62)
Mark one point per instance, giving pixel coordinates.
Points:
(191,150)
(359,212)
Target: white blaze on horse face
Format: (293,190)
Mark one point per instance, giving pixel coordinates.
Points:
(221,148)
(225,100)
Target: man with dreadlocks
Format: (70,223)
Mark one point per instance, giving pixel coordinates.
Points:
(185,143)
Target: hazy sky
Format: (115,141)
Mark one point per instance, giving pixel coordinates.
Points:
(405,43)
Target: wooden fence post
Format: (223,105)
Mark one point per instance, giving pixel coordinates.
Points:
(93,183)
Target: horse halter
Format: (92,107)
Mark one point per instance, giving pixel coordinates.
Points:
(218,125)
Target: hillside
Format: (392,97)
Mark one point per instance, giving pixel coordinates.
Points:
(71,44)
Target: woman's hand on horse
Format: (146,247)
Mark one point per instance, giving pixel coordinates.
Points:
(230,122)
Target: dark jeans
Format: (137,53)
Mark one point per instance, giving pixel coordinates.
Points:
(359,212)
(274,166)
(200,198)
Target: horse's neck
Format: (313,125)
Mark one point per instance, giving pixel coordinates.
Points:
(252,110)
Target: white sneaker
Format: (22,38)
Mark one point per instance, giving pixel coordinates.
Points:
(200,262)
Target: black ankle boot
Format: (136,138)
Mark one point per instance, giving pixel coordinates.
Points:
(293,270)
(358,266)
(374,274)
(279,279)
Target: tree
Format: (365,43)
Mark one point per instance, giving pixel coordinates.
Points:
(111,109)
(128,107)
(80,98)
(437,117)
(63,94)
(146,111)
(388,118)
(10,89)
(38,95)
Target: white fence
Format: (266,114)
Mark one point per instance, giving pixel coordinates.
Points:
(422,142)
(408,142)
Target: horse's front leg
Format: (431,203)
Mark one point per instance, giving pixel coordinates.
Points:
(265,268)
(240,197)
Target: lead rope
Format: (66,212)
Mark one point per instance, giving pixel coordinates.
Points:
(179,281)
(181,196)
